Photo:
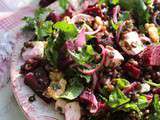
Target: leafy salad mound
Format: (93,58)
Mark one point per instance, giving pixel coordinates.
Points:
(96,62)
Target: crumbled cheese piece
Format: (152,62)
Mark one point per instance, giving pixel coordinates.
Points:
(114,57)
(131,43)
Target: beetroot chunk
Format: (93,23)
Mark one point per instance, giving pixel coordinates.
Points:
(90,99)
(54,17)
(133,70)
(151,56)
(131,88)
(36,77)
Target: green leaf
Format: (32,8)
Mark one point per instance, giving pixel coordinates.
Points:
(90,50)
(148,2)
(131,106)
(50,52)
(30,23)
(117,98)
(35,22)
(45,29)
(116,26)
(85,55)
(124,16)
(114,2)
(63,4)
(142,102)
(89,37)
(70,30)
(102,1)
(155,115)
(138,8)
(53,47)
(153,84)
(41,14)
(73,90)
(156,103)
(86,77)
(122,83)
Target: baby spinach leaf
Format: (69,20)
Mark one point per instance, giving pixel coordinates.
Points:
(30,23)
(45,29)
(148,2)
(33,22)
(41,14)
(142,102)
(130,107)
(70,30)
(83,56)
(117,98)
(156,103)
(122,83)
(155,115)
(73,90)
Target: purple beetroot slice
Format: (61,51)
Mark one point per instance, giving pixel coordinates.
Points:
(133,70)
(91,100)
(151,56)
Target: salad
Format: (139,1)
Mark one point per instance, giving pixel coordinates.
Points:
(97,61)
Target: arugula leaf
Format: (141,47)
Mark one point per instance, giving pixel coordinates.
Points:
(131,106)
(38,24)
(45,29)
(63,4)
(142,102)
(85,55)
(122,83)
(65,31)
(156,103)
(117,98)
(41,14)
(50,52)
(70,30)
(153,84)
(155,115)
(53,47)
(30,23)
(73,91)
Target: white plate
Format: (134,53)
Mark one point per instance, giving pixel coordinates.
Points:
(37,110)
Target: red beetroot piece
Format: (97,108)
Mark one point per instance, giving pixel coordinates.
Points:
(90,99)
(131,88)
(132,70)
(151,56)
